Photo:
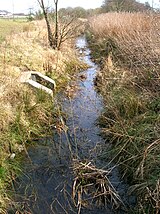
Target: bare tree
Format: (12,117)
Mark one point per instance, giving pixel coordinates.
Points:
(63,30)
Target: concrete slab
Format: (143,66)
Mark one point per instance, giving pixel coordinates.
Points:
(39,81)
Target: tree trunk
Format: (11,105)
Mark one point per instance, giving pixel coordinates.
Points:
(56,24)
(50,36)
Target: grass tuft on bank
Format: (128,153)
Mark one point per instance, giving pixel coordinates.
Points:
(127,47)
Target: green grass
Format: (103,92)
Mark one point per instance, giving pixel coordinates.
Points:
(11,26)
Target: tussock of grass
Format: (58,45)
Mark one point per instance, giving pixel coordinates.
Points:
(129,83)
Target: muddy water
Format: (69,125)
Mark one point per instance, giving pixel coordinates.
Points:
(46,186)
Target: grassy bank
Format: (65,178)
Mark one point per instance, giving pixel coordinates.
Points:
(127,47)
(26,113)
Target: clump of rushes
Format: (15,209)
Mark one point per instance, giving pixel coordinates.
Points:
(129,83)
(26,113)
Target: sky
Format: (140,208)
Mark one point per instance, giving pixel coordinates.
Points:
(24,5)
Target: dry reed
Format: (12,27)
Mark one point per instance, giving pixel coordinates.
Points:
(135,36)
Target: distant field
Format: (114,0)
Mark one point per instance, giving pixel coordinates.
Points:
(9,26)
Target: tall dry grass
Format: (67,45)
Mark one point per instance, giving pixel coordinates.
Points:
(134,37)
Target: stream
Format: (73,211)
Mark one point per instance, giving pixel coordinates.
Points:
(46,185)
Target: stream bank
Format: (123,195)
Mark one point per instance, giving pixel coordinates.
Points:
(25,112)
(46,186)
(130,87)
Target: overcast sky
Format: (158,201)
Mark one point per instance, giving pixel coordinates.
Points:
(24,5)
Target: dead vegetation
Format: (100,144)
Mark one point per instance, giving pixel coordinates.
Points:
(92,187)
